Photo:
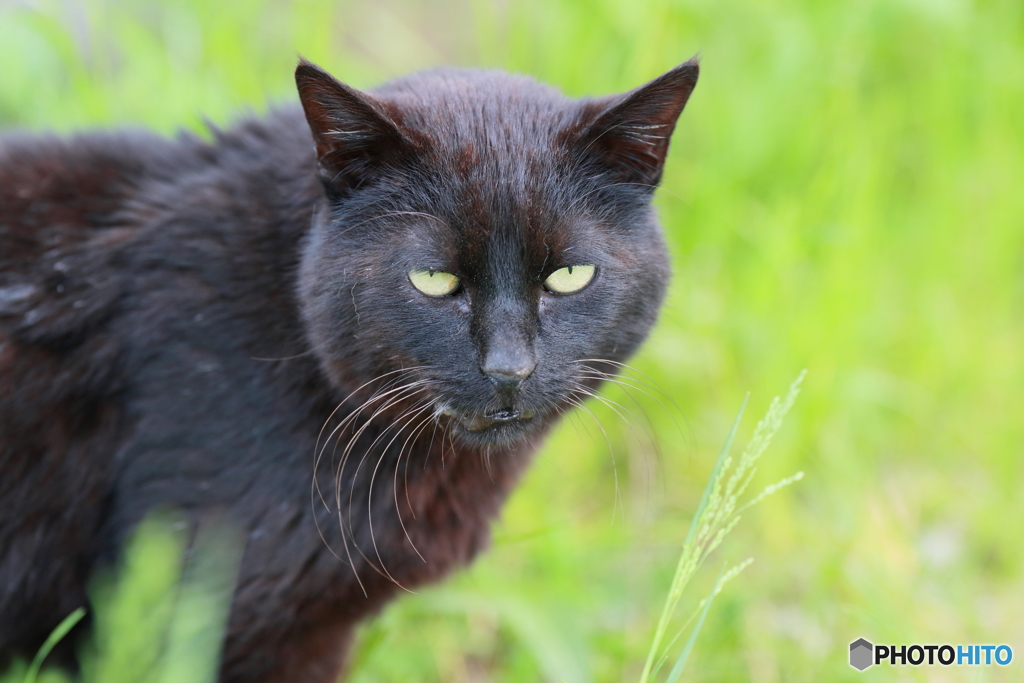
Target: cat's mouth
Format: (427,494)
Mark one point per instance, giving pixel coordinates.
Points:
(483,422)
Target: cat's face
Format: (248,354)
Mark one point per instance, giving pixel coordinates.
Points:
(486,241)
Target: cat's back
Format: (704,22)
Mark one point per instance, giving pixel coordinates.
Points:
(62,215)
(63,203)
(61,193)
(56,192)
(76,211)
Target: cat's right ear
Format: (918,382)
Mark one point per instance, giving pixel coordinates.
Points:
(630,133)
(355,138)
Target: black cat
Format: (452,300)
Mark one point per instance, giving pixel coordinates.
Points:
(393,310)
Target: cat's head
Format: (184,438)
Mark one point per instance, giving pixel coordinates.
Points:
(485,240)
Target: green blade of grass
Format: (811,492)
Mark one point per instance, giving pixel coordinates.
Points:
(677,670)
(679,580)
(55,637)
(715,475)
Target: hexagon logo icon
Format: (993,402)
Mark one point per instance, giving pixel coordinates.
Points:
(861,654)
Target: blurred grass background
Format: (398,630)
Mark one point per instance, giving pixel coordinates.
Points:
(843,194)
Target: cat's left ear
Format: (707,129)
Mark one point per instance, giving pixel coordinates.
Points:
(355,136)
(631,133)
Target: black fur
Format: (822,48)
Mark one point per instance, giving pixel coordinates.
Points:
(187,323)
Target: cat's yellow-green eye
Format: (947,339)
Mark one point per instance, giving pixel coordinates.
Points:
(433,282)
(570,279)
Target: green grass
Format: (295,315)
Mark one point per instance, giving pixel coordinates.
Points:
(843,194)
(717,514)
(160,616)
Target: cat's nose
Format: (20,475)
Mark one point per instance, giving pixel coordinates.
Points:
(508,367)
